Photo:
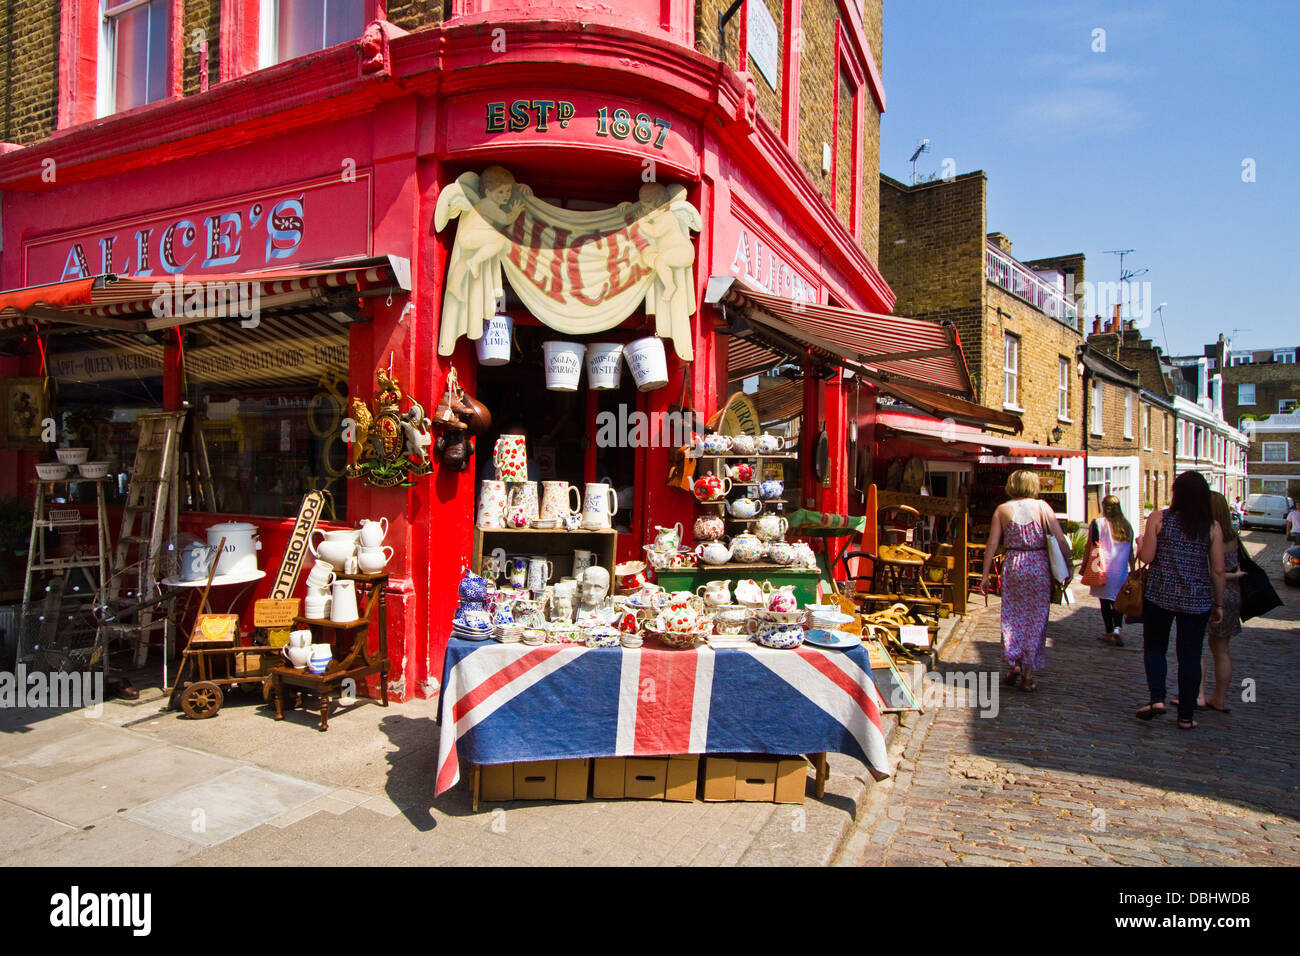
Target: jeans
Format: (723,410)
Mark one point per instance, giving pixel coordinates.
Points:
(1111,619)
(1156,624)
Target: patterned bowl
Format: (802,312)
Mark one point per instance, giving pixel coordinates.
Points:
(93,469)
(678,640)
(52,471)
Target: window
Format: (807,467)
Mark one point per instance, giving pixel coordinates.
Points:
(1285,357)
(1245,394)
(1164,433)
(1274,451)
(133,54)
(1095,425)
(292,28)
(1146,427)
(1287,405)
(1273,486)
(1128,414)
(1010,370)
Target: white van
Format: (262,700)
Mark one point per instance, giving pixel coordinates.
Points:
(1265,511)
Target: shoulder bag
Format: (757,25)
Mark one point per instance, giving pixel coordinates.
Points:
(1060,569)
(1129,599)
(1257,594)
(1095,560)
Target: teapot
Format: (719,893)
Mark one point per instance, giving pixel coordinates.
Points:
(804,556)
(196,561)
(743,445)
(667,539)
(709,528)
(741,471)
(771,489)
(746,548)
(771,527)
(744,507)
(711,488)
(715,443)
(768,444)
(713,552)
(780,552)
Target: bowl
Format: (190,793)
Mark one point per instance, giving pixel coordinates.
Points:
(52,471)
(93,469)
(679,640)
(781,617)
(72,456)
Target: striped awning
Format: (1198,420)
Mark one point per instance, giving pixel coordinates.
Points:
(134,304)
(889,347)
(778,403)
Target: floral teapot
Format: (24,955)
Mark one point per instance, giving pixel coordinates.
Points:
(746,548)
(713,552)
(709,527)
(744,507)
(741,471)
(711,488)
(780,552)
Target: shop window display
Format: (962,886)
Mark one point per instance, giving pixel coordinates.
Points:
(271,401)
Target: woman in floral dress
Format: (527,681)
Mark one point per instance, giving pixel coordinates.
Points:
(1020,527)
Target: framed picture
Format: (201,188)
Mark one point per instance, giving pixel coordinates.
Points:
(24,411)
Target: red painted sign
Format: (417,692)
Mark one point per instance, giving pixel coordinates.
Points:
(745,252)
(579,119)
(307,222)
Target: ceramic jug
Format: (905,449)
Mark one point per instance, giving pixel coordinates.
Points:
(372,533)
(493,566)
(780,599)
(599,505)
(345,602)
(668,539)
(749,593)
(522,508)
(491,504)
(297,656)
(556,499)
(321,654)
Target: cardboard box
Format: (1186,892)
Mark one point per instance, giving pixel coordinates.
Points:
(755,778)
(535,780)
(496,781)
(683,778)
(607,778)
(646,778)
(571,778)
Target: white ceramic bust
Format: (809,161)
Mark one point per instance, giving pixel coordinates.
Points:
(593,589)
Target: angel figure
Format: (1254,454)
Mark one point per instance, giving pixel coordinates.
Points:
(665,221)
(471,291)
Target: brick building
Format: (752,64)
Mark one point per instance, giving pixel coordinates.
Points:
(1274,455)
(1207,441)
(1019,321)
(1261,396)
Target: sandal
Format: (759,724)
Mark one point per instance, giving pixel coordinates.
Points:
(1151,711)
(1028,685)
(1013,676)
(1187,725)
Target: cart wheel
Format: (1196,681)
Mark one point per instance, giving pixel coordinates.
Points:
(202,700)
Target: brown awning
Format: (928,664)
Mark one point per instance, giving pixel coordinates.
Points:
(887,347)
(949,432)
(949,406)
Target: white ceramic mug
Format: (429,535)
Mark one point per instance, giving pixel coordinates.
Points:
(493,566)
(321,575)
(313,606)
(599,505)
(374,560)
(345,602)
(321,655)
(373,533)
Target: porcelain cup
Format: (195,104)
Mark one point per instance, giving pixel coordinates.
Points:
(297,656)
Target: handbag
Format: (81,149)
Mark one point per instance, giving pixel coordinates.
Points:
(1094,564)
(1129,599)
(681,469)
(1060,570)
(1257,594)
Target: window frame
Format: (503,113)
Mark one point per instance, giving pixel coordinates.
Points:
(106,78)
(1011,372)
(268,30)
(1097,402)
(1144,412)
(1063,390)
(1264,446)
(1241,386)
(1128,416)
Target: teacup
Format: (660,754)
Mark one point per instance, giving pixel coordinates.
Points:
(730,618)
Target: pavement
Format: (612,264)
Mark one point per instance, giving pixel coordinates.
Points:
(139,784)
(1067,776)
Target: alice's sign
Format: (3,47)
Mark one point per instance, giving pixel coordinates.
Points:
(761,267)
(578,272)
(309,222)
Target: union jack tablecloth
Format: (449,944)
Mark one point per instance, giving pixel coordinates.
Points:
(503,703)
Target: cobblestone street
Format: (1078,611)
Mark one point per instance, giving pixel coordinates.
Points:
(1067,776)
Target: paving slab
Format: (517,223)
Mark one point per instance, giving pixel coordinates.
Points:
(113,842)
(120,784)
(21,828)
(226,806)
(76,744)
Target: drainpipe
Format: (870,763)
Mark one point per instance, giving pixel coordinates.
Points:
(1087,406)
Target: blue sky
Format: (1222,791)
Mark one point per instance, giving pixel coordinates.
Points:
(1137,147)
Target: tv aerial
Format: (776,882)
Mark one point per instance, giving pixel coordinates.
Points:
(923,148)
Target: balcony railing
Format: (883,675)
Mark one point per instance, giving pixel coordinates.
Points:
(1007,273)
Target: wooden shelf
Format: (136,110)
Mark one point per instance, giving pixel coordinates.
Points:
(528,531)
(789,456)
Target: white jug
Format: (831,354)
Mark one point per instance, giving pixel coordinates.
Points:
(373,532)
(599,505)
(345,602)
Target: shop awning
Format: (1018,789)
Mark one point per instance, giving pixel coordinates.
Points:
(143,304)
(949,432)
(942,405)
(888,347)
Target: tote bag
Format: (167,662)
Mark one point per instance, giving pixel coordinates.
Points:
(1257,594)
(1060,570)
(1097,557)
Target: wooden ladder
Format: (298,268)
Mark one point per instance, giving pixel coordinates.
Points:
(151,505)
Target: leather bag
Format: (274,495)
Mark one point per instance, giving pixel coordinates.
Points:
(1129,599)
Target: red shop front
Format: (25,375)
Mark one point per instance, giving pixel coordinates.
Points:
(330,207)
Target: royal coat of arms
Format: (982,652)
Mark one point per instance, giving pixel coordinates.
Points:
(391,447)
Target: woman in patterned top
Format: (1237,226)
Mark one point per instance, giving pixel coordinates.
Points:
(1184,547)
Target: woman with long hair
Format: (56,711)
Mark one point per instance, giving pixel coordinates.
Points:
(1021,527)
(1112,534)
(1230,626)
(1185,584)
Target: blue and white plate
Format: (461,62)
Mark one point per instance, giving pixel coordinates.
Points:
(835,640)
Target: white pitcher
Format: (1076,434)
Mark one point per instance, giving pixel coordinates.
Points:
(345,602)
(599,505)
(373,532)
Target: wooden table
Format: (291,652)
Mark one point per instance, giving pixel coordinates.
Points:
(359,663)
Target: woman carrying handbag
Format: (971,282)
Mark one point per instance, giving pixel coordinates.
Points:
(1184,583)
(1110,558)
